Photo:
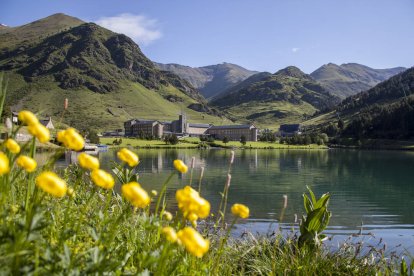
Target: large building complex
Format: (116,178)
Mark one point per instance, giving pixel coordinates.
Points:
(180,127)
(234,132)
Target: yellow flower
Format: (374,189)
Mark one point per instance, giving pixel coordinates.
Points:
(28,118)
(71,139)
(136,195)
(52,184)
(180,166)
(191,204)
(240,210)
(170,234)
(167,215)
(154,193)
(40,132)
(102,179)
(88,162)
(12,146)
(4,164)
(128,157)
(27,163)
(193,241)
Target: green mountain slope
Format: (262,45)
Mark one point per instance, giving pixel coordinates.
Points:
(37,30)
(384,111)
(351,78)
(287,96)
(210,80)
(105,76)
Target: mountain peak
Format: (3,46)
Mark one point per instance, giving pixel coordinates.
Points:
(292,71)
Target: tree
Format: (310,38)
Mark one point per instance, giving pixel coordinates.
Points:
(93,137)
(225,139)
(243,140)
(341,124)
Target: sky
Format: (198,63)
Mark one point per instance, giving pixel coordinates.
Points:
(261,35)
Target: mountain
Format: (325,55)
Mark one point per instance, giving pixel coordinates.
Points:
(37,30)
(384,111)
(105,76)
(288,96)
(351,78)
(210,80)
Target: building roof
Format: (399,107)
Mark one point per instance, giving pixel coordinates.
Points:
(233,127)
(290,127)
(199,125)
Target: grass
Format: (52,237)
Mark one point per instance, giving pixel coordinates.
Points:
(193,142)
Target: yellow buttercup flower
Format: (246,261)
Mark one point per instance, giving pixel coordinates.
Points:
(240,210)
(128,157)
(87,161)
(180,166)
(71,139)
(27,163)
(191,204)
(40,132)
(28,118)
(51,183)
(167,215)
(12,146)
(170,234)
(4,164)
(136,195)
(193,241)
(102,179)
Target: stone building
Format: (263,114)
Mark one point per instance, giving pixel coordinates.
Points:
(234,132)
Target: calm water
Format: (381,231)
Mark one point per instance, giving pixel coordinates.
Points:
(372,191)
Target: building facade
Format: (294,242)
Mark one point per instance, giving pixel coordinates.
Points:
(234,132)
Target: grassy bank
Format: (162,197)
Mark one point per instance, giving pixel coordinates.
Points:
(192,142)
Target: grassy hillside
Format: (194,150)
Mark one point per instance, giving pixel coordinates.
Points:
(351,78)
(210,80)
(288,96)
(105,76)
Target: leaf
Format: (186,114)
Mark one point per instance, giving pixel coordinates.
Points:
(307,203)
(323,201)
(311,194)
(314,219)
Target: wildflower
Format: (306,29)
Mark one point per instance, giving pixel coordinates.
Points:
(88,162)
(71,139)
(4,164)
(193,241)
(154,193)
(240,210)
(12,146)
(71,193)
(191,204)
(102,179)
(170,234)
(52,184)
(128,157)
(66,104)
(180,166)
(135,194)
(40,132)
(28,118)
(27,163)
(167,215)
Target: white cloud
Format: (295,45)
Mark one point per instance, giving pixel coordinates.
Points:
(140,28)
(294,50)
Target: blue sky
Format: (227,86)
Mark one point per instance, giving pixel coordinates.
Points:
(262,35)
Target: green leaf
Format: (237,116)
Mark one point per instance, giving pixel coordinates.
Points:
(314,219)
(312,195)
(307,203)
(323,201)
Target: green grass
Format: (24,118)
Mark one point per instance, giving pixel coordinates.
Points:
(192,142)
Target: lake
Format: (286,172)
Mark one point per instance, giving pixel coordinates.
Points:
(372,191)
